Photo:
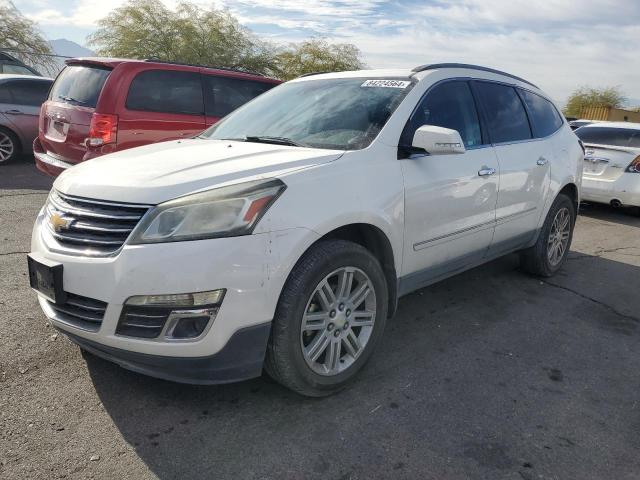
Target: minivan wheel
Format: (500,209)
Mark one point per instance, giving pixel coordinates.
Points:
(8,146)
(329,318)
(552,247)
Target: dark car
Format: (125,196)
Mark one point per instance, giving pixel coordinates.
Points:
(101,105)
(10,64)
(20,100)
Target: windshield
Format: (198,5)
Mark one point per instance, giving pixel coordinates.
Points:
(79,85)
(342,113)
(617,137)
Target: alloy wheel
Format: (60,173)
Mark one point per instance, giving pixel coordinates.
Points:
(338,321)
(6,147)
(559,236)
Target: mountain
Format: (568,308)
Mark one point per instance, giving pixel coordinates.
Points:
(67,48)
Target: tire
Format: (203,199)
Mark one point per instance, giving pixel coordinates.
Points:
(539,259)
(290,352)
(9,146)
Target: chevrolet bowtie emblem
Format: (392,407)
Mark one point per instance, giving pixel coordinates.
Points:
(59,223)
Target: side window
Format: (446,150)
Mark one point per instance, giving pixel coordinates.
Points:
(166,91)
(29,93)
(544,116)
(506,117)
(224,94)
(448,105)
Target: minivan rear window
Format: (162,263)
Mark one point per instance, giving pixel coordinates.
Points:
(617,137)
(79,85)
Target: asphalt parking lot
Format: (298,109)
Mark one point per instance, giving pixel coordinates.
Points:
(489,375)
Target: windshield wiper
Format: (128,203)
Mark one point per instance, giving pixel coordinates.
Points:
(71,99)
(274,140)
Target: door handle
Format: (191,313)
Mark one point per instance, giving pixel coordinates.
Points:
(13,112)
(486,171)
(542,161)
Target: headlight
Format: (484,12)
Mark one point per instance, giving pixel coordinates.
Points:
(222,212)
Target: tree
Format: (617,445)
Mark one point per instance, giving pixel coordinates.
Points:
(317,55)
(21,39)
(207,36)
(593,97)
(190,34)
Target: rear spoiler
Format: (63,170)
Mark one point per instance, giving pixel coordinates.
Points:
(631,150)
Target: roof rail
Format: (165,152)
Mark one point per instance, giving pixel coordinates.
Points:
(227,69)
(311,73)
(434,66)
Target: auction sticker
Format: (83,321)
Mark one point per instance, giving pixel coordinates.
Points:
(386,83)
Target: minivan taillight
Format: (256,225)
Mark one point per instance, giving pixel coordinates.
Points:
(103,129)
(634,167)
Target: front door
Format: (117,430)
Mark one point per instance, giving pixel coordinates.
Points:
(450,200)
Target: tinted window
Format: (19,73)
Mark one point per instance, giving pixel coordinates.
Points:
(506,116)
(25,92)
(449,105)
(79,85)
(332,113)
(19,69)
(223,95)
(166,91)
(544,116)
(618,137)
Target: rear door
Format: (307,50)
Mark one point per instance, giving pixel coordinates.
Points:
(161,105)
(524,165)
(21,103)
(66,116)
(222,95)
(609,151)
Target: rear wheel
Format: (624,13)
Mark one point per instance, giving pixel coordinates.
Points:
(330,315)
(552,247)
(8,146)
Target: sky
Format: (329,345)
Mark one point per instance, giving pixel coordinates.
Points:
(557,44)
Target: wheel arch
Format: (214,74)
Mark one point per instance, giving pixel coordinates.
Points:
(376,241)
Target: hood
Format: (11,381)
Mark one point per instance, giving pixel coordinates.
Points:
(156,173)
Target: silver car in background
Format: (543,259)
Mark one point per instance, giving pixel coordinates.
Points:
(611,171)
(20,99)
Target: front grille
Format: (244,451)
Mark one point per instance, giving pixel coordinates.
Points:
(91,227)
(80,312)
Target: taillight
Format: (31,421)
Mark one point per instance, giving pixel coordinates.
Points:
(634,167)
(102,130)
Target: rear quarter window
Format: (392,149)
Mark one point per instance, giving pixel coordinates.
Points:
(544,116)
(506,117)
(166,91)
(79,85)
(617,137)
(224,94)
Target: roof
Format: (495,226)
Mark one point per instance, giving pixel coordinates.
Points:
(114,62)
(629,125)
(418,73)
(11,76)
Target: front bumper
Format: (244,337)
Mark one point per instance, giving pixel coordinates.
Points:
(252,269)
(240,359)
(626,189)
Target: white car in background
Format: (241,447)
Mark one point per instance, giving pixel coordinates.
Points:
(612,163)
(282,237)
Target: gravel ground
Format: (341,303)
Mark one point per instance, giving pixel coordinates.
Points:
(491,374)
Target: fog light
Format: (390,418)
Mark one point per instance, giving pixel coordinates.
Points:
(185,316)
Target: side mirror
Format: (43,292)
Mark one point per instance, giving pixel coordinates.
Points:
(438,140)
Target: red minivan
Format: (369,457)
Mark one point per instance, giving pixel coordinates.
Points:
(101,105)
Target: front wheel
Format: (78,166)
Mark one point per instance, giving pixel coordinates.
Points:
(330,315)
(552,247)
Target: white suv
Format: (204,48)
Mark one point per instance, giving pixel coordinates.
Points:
(282,237)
